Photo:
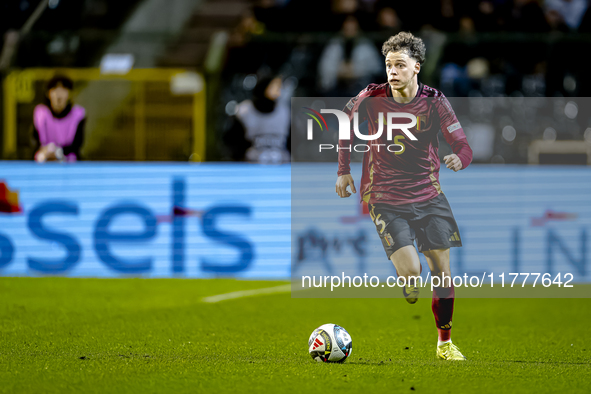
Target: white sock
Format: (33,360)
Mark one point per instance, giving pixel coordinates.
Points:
(439,343)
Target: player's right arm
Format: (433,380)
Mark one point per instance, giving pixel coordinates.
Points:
(344,156)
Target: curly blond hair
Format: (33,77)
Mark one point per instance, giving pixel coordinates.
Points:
(413,46)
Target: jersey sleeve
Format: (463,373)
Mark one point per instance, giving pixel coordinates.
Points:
(453,132)
(344,147)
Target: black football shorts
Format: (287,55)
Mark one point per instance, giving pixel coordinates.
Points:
(430,222)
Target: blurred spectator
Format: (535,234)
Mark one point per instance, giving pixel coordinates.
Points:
(348,62)
(466,25)
(486,15)
(568,13)
(306,15)
(368,5)
(412,15)
(58,125)
(461,81)
(585,26)
(478,68)
(261,126)
(314,15)
(272,13)
(388,21)
(249,26)
(243,55)
(527,16)
(341,9)
(447,19)
(344,6)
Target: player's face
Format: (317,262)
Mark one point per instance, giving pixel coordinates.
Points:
(401,69)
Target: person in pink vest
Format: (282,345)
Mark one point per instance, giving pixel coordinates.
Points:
(58,124)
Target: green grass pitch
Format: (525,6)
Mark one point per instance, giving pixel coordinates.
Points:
(60,335)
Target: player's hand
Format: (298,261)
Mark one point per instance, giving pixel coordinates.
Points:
(453,162)
(341,187)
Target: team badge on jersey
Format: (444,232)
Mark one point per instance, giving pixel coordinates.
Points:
(422,122)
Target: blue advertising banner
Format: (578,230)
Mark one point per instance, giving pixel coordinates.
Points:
(248,221)
(512,219)
(147,220)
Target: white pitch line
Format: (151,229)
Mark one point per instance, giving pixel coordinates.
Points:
(247,293)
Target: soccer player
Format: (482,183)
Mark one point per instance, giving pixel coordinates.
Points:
(401,186)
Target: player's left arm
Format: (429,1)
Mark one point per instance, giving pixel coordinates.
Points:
(454,135)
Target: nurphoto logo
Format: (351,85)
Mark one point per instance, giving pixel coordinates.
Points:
(392,120)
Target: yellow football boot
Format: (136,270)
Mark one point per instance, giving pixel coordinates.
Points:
(411,294)
(449,351)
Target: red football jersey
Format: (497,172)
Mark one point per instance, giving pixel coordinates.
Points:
(412,175)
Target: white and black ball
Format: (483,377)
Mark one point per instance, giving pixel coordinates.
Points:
(330,343)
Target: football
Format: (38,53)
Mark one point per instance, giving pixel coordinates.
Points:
(330,343)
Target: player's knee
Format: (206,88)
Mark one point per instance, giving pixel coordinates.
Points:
(411,274)
(440,255)
(406,269)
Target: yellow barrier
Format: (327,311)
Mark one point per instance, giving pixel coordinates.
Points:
(146,114)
